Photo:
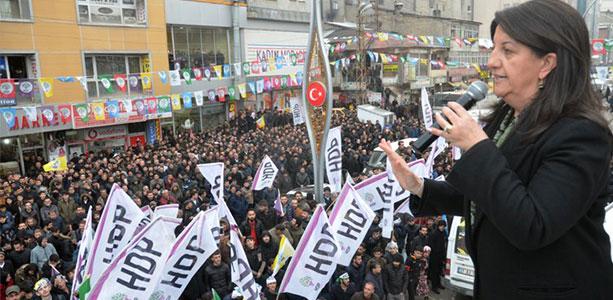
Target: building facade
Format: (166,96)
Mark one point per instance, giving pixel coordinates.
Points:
(70,71)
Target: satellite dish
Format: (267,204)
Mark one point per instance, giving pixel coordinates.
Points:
(187,124)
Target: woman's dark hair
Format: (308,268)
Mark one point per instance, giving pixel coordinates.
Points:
(551,26)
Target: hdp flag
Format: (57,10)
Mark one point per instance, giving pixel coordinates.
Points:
(58,164)
(261,123)
(285,251)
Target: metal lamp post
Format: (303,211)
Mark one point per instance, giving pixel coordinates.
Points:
(317,97)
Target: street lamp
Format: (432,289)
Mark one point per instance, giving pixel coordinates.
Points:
(398,5)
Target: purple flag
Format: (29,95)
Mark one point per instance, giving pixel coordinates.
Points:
(278,205)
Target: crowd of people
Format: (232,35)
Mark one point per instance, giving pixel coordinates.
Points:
(42,213)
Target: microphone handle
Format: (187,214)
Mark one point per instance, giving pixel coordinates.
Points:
(426,139)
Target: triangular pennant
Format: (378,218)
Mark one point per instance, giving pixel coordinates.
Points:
(120,80)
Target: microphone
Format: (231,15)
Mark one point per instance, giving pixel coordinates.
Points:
(476,92)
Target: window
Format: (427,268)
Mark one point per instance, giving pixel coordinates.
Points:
(112,12)
(107,65)
(15,10)
(192,47)
(471,32)
(20,68)
(455,31)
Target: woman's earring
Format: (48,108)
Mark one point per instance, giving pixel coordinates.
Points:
(541,84)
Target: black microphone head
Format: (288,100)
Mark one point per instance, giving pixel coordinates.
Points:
(477,90)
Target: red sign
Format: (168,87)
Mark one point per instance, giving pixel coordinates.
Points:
(137,140)
(316,93)
(598,47)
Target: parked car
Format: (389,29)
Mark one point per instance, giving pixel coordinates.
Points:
(459,268)
(304,190)
(378,156)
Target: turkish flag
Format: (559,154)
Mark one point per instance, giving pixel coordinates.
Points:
(316,93)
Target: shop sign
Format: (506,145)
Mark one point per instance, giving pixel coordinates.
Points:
(455,72)
(421,82)
(101,133)
(390,68)
(352,86)
(40,119)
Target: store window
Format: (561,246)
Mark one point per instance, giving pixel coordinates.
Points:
(112,12)
(471,31)
(192,47)
(15,10)
(21,68)
(98,66)
(455,31)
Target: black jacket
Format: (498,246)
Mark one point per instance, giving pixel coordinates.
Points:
(246,229)
(378,282)
(538,229)
(437,241)
(218,278)
(356,274)
(337,293)
(395,280)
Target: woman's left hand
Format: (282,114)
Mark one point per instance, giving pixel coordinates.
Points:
(462,130)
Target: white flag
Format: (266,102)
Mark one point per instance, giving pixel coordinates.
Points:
(334,159)
(240,269)
(224,212)
(83,81)
(418,167)
(213,173)
(315,259)
(147,211)
(191,249)
(441,145)
(374,189)
(432,155)
(85,246)
(349,179)
(120,219)
(457,152)
(297,111)
(350,220)
(199,98)
(168,210)
(389,197)
(127,104)
(404,208)
(265,176)
(371,190)
(237,70)
(30,112)
(426,109)
(136,269)
(175,78)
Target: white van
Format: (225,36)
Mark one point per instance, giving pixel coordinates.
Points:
(378,156)
(367,112)
(459,268)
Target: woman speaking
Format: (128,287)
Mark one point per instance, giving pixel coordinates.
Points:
(532,184)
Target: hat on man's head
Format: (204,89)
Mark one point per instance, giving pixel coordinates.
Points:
(343,276)
(41,284)
(270,280)
(12,289)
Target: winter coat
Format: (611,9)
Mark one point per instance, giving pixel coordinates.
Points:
(395,280)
